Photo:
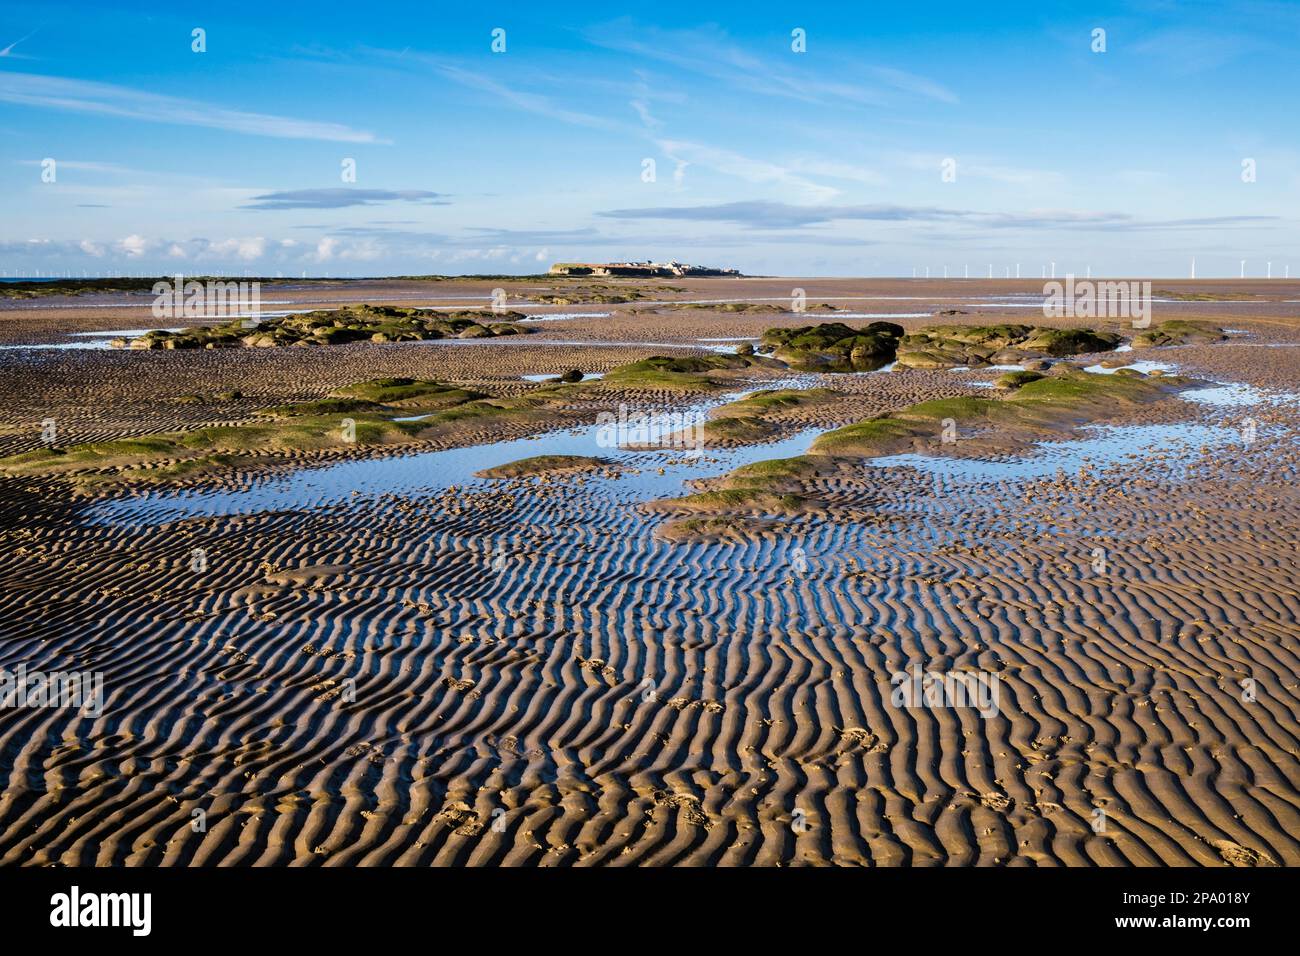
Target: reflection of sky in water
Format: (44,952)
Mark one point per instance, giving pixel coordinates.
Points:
(547,377)
(506,340)
(437,470)
(124,333)
(1145,366)
(1239,395)
(988,368)
(59,346)
(1105,445)
(871,315)
(430,472)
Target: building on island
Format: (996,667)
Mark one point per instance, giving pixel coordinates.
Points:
(637,269)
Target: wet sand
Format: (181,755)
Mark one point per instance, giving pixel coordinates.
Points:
(385,660)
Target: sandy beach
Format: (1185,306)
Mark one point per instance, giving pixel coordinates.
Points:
(368,654)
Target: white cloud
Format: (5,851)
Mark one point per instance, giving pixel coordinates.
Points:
(245,249)
(107,99)
(743,167)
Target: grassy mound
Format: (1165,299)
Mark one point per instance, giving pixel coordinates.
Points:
(743,420)
(683,372)
(1065,397)
(403,392)
(356,416)
(733,500)
(776,400)
(775,470)
(1179,332)
(834,347)
(1207,296)
(1041,405)
(740,429)
(1014,380)
(543,465)
(360,323)
(952,346)
(765,488)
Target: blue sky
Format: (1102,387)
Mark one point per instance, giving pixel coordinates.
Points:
(825,162)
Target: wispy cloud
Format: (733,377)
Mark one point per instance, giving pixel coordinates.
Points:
(340,197)
(107,99)
(528,101)
(82,166)
(912,83)
(1190,50)
(979,167)
(9,50)
(776,215)
(710,51)
(758,171)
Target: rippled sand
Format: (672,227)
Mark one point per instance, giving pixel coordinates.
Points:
(388,661)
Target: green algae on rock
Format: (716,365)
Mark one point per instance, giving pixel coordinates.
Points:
(1039,408)
(834,346)
(543,465)
(1179,332)
(362,323)
(386,411)
(954,346)
(684,372)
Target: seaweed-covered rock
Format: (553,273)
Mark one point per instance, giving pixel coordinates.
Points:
(544,465)
(953,346)
(380,324)
(1179,332)
(683,371)
(1014,380)
(834,347)
(1059,342)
